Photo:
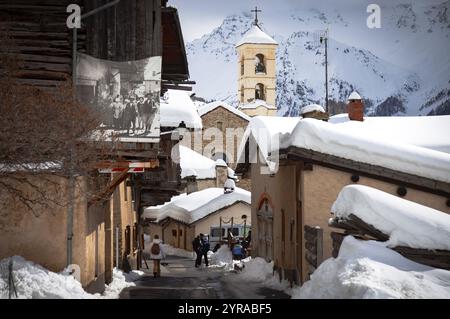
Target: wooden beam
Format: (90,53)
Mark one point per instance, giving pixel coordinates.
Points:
(110,188)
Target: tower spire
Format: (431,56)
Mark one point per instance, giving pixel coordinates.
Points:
(256,15)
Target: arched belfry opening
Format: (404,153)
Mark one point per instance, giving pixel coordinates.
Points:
(259,92)
(260,64)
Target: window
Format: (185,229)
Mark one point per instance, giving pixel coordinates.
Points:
(260,66)
(219,125)
(234,231)
(180,232)
(259,92)
(242,66)
(215,232)
(242,94)
(174,232)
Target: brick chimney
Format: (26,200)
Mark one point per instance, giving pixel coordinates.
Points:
(355,107)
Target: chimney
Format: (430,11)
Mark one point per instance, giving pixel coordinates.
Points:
(191,184)
(355,107)
(221,173)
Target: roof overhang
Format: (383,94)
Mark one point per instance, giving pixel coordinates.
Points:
(295,153)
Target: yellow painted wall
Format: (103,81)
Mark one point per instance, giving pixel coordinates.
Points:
(41,236)
(248,80)
(321,186)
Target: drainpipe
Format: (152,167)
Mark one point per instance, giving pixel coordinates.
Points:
(117,247)
(70,209)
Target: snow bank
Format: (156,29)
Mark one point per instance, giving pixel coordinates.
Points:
(259,270)
(256,35)
(195,163)
(361,146)
(407,223)
(222,258)
(192,207)
(367,269)
(120,281)
(33,281)
(177,106)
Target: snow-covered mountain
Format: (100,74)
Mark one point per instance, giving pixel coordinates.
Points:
(402,68)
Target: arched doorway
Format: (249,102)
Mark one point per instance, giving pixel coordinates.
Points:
(265,228)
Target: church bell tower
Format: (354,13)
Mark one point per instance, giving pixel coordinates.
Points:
(257,71)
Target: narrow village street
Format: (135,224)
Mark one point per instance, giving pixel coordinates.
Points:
(181,280)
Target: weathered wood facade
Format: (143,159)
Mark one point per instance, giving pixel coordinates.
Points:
(129,30)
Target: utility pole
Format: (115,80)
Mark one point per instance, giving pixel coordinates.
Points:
(324,39)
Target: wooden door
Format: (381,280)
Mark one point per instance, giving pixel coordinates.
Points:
(265,230)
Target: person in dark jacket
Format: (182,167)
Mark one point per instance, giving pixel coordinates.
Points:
(205,248)
(197,247)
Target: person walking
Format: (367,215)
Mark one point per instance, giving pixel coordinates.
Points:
(156,254)
(205,248)
(197,247)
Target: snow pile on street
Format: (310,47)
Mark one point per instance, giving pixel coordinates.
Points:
(259,270)
(407,223)
(312,108)
(256,35)
(177,106)
(172,251)
(361,146)
(193,163)
(367,269)
(206,108)
(222,258)
(426,131)
(120,281)
(33,281)
(190,208)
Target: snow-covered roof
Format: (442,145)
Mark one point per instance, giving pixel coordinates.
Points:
(369,270)
(257,36)
(195,206)
(177,106)
(206,108)
(405,222)
(427,131)
(354,96)
(312,108)
(361,146)
(266,131)
(255,104)
(193,163)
